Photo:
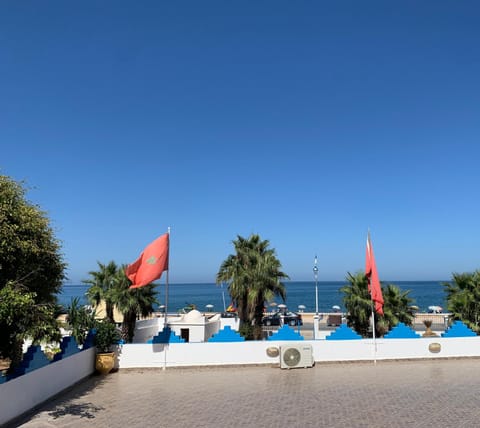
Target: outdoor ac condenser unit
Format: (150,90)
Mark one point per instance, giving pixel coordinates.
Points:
(296,356)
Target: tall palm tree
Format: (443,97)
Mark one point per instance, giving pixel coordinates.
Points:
(398,306)
(102,283)
(254,277)
(357,301)
(132,302)
(463,298)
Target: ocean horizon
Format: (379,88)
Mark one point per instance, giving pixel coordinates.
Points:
(424,294)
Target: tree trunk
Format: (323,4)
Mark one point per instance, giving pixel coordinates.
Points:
(16,354)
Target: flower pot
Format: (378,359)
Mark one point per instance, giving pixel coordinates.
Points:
(104,362)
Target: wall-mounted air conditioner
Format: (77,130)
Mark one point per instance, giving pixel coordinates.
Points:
(296,356)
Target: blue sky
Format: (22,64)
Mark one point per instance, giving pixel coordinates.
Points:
(305,122)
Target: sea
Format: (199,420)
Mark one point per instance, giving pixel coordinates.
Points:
(301,295)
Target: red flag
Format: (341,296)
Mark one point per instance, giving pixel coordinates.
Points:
(372,275)
(151,263)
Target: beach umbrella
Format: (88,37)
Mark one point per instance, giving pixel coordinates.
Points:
(435,309)
(336,307)
(281,306)
(209,307)
(301,307)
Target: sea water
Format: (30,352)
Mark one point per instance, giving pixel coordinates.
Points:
(424,294)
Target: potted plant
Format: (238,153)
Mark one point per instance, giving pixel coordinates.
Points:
(106,335)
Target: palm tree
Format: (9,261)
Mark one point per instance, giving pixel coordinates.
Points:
(357,300)
(254,277)
(463,298)
(102,283)
(397,307)
(132,302)
(80,320)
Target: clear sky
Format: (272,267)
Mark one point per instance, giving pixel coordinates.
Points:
(306,122)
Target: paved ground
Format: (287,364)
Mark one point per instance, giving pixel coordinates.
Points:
(435,393)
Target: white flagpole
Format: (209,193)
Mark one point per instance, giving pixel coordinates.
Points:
(371,304)
(374,335)
(165,323)
(166,281)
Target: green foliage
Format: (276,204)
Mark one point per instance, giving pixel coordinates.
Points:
(102,285)
(29,253)
(20,318)
(357,301)
(397,307)
(254,276)
(111,285)
(106,335)
(463,298)
(80,319)
(132,303)
(31,271)
(246,330)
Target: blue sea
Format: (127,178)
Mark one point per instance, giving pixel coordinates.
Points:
(424,293)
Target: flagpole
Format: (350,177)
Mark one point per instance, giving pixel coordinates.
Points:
(166,283)
(165,322)
(374,335)
(370,289)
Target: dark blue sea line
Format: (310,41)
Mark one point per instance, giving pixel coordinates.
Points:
(424,293)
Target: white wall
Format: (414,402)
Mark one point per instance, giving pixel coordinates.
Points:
(234,323)
(146,329)
(25,392)
(198,331)
(254,352)
(39,385)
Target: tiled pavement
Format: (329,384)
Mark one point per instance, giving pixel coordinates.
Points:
(428,393)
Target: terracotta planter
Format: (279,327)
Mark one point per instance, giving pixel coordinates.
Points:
(104,362)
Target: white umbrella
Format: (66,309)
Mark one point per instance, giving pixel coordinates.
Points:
(336,307)
(209,306)
(436,309)
(301,308)
(281,305)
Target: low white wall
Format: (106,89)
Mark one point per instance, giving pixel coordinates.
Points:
(254,352)
(146,329)
(199,332)
(25,392)
(234,323)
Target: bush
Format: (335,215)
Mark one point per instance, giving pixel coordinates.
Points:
(106,335)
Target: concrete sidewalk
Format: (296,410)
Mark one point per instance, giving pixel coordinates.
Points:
(426,393)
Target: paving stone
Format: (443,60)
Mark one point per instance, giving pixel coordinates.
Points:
(426,393)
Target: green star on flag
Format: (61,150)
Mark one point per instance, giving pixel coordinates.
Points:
(151,263)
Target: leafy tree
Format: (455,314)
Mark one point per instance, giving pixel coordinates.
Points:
(357,301)
(102,285)
(463,298)
(21,318)
(31,269)
(254,276)
(132,302)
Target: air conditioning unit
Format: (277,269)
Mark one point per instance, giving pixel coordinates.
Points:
(296,356)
